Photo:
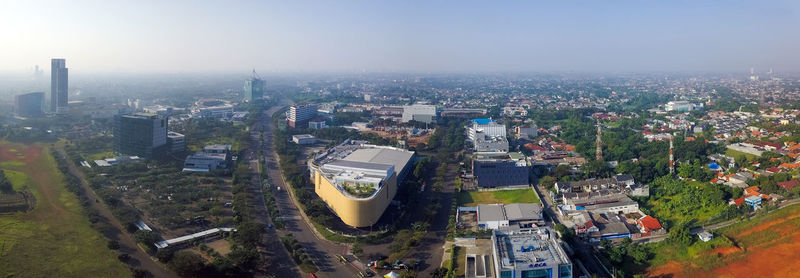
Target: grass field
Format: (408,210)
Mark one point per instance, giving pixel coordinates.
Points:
(55,239)
(735,153)
(474,198)
(765,246)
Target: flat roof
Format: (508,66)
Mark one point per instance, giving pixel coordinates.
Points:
(360,165)
(303,136)
(522,211)
(491,212)
(525,248)
(398,158)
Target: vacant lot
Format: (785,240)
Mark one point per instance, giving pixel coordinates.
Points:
(497,197)
(55,238)
(764,247)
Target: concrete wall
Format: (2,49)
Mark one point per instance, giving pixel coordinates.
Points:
(356,212)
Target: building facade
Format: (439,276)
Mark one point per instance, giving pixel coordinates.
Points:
(29,105)
(59,86)
(176,142)
(140,134)
(299,115)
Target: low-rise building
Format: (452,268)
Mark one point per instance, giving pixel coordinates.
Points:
(304,139)
(212,157)
(602,201)
(520,215)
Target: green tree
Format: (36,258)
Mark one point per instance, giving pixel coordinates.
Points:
(187,263)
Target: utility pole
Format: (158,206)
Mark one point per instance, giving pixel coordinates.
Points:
(599,150)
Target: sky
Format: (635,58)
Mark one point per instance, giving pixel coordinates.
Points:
(400,36)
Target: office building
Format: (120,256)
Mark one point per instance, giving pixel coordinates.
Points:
(253,88)
(140,134)
(176,142)
(358,181)
(487,136)
(529,253)
(420,113)
(299,115)
(59,86)
(29,105)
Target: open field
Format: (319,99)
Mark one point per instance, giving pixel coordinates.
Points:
(763,247)
(55,238)
(735,153)
(474,198)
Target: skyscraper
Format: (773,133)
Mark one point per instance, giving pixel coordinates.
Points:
(140,134)
(59,85)
(29,105)
(253,88)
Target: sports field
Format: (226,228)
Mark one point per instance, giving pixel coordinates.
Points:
(763,247)
(474,198)
(55,239)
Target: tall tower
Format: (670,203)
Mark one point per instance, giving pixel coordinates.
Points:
(59,86)
(253,88)
(599,151)
(671,156)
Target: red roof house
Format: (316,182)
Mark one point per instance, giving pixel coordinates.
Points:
(648,223)
(789,184)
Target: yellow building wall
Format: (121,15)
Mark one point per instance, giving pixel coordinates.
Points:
(355,212)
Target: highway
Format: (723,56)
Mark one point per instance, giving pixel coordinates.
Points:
(320,250)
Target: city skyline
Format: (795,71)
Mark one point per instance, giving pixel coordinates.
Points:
(144,37)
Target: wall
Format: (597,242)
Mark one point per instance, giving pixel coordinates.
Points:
(352,211)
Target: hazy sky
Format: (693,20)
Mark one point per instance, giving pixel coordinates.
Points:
(416,36)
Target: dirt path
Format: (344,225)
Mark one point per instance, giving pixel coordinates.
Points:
(139,259)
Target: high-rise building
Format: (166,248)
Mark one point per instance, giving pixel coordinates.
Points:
(253,88)
(29,105)
(59,86)
(300,114)
(140,134)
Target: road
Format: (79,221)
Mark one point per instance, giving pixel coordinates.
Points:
(139,258)
(279,261)
(320,250)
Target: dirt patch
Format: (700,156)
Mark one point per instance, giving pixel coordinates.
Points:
(780,260)
(670,269)
(765,226)
(223,247)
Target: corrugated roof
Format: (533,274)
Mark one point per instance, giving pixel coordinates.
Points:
(522,211)
(381,156)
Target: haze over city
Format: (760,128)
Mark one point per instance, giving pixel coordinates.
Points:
(401,36)
(399,139)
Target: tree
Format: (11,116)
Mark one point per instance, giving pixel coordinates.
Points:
(5,184)
(187,263)
(146,237)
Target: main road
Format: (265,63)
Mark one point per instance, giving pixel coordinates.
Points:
(321,251)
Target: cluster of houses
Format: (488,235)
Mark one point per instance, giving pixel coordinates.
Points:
(603,209)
